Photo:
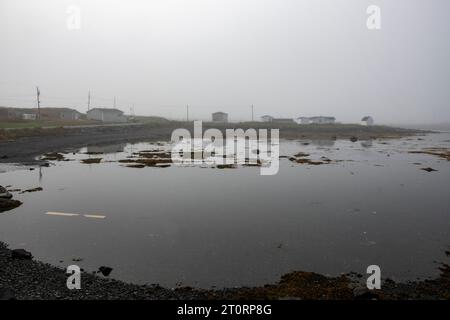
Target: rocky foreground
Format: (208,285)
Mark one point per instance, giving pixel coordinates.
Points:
(21,277)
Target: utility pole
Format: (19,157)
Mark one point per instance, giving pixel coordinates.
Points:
(114,102)
(253,119)
(89,100)
(187,113)
(38,95)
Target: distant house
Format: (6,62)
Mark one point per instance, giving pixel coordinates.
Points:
(303,120)
(106,115)
(266,118)
(29,116)
(59,114)
(13,113)
(220,117)
(283,120)
(367,121)
(317,120)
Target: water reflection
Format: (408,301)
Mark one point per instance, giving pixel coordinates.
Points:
(208,227)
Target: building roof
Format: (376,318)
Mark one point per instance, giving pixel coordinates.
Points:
(57,110)
(111,110)
(220,112)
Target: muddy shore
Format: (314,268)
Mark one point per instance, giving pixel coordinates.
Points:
(29,279)
(22,146)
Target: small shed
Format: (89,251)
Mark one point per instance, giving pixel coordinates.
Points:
(106,115)
(266,118)
(367,121)
(220,117)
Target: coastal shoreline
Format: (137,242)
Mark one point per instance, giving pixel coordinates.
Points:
(23,279)
(23,146)
(30,279)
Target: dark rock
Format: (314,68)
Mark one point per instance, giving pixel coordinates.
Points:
(33,190)
(4,194)
(353,139)
(105,270)
(365,295)
(53,156)
(21,254)
(91,160)
(9,204)
(428,169)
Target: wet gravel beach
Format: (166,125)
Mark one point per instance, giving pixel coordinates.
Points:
(29,279)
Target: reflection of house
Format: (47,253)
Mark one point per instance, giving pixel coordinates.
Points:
(106,115)
(283,120)
(367,121)
(220,117)
(317,120)
(266,118)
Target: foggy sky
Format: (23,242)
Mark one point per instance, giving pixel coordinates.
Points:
(289,58)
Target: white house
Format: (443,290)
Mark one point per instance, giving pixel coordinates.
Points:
(303,120)
(29,116)
(367,121)
(106,115)
(220,117)
(266,118)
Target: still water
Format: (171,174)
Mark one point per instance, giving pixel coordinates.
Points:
(209,227)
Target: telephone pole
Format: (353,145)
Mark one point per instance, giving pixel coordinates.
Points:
(253,113)
(114,102)
(187,113)
(89,100)
(38,95)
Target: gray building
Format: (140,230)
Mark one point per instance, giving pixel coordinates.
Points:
(106,115)
(266,118)
(220,117)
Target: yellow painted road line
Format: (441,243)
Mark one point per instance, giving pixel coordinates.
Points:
(62,214)
(94,216)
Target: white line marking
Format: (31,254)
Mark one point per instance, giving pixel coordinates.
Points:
(62,214)
(94,216)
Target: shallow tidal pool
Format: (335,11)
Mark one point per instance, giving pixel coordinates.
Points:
(206,227)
